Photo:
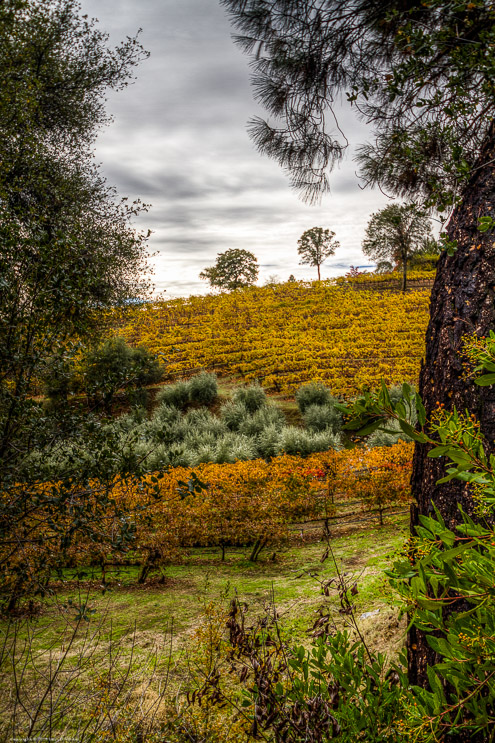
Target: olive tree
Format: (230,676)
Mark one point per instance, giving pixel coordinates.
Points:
(395,233)
(232,270)
(315,245)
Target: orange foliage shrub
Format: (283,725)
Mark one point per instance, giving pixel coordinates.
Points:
(378,477)
(248,503)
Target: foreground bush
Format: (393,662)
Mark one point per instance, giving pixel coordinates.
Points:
(335,689)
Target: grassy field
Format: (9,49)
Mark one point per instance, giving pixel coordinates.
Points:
(154,629)
(180,596)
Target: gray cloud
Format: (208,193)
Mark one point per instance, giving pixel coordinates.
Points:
(179,141)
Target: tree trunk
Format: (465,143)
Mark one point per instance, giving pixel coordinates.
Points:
(462,303)
(404,274)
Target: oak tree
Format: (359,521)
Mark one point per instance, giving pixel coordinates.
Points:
(315,245)
(395,233)
(68,252)
(232,270)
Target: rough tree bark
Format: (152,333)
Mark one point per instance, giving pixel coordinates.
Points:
(462,303)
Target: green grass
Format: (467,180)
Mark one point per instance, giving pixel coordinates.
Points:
(179,594)
(162,619)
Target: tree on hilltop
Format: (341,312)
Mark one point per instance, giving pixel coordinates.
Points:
(232,270)
(315,245)
(395,233)
(421,75)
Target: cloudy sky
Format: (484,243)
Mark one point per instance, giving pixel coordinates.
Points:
(179,142)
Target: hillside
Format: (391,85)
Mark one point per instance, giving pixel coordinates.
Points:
(286,334)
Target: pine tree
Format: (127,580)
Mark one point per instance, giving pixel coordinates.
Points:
(421,75)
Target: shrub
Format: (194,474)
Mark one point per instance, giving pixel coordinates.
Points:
(335,689)
(253,424)
(166,425)
(176,395)
(314,393)
(203,388)
(198,418)
(253,398)
(233,414)
(324,440)
(195,440)
(114,366)
(268,442)
(234,446)
(204,423)
(165,414)
(322,418)
(201,450)
(295,441)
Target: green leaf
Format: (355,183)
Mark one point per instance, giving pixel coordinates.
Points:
(370,427)
(385,394)
(410,431)
(485,380)
(421,410)
(438,451)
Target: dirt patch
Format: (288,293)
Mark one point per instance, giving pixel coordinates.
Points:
(384,631)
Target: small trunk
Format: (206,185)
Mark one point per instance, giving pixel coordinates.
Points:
(257,547)
(319,276)
(404,275)
(222,547)
(331,488)
(144,572)
(14,598)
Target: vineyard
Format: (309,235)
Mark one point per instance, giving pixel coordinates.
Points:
(286,334)
(251,504)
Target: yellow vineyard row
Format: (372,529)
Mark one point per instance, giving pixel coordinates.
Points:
(286,334)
